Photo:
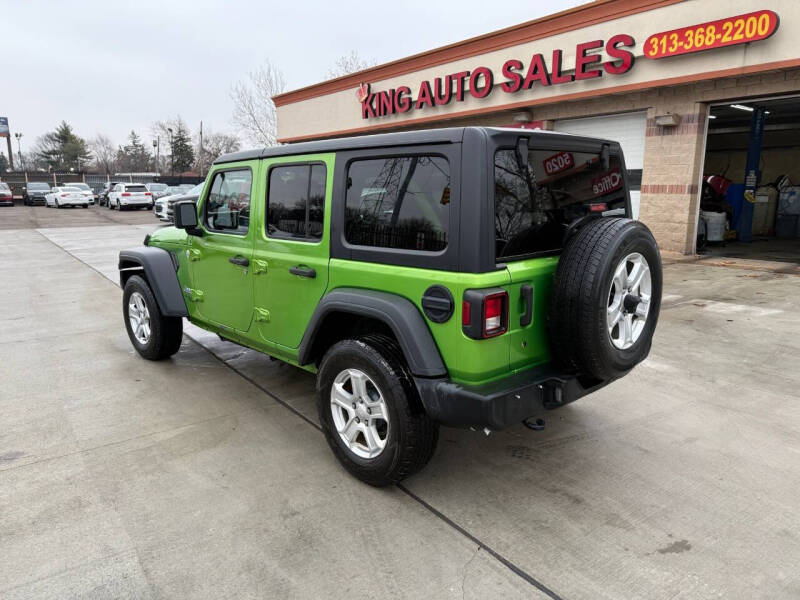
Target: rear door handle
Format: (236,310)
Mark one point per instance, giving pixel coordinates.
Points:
(239,260)
(527,298)
(303,271)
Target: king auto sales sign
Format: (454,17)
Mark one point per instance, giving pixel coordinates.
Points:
(515,76)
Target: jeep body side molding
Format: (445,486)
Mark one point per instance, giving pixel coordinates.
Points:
(398,313)
(160,271)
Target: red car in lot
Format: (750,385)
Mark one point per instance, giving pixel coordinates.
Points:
(6,197)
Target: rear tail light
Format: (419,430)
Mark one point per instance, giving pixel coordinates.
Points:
(484,313)
(126,194)
(602,207)
(64,195)
(466,313)
(495,314)
(148,194)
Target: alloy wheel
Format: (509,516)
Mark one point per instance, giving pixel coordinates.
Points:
(359,412)
(629,300)
(139,318)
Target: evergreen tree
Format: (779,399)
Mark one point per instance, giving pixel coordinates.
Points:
(182,151)
(134,156)
(62,149)
(3,163)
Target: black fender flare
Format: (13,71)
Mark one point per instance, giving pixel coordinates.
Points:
(160,270)
(398,313)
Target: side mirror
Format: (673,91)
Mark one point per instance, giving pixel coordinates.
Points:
(184,216)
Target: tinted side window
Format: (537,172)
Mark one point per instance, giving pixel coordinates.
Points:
(296,202)
(227,208)
(398,202)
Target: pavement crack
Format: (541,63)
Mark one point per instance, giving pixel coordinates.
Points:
(465,570)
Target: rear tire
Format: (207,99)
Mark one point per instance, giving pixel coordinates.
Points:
(601,321)
(410,436)
(165,333)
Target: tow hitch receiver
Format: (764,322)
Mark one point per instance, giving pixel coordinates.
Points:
(534,424)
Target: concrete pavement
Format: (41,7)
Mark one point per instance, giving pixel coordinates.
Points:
(189,478)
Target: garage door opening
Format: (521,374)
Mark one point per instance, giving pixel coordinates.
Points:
(750,196)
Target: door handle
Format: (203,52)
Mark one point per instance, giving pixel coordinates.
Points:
(239,260)
(527,297)
(303,271)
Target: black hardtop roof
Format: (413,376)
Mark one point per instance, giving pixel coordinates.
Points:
(382,140)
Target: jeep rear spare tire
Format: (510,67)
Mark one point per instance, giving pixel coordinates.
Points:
(606,298)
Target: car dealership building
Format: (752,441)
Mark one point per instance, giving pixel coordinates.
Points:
(688,87)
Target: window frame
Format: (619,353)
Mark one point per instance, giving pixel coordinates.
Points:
(207,192)
(287,237)
(446,259)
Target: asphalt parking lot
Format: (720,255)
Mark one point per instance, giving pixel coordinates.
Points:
(205,476)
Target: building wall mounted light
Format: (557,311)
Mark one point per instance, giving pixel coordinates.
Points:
(668,120)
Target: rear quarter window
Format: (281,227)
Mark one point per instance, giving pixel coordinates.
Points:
(398,202)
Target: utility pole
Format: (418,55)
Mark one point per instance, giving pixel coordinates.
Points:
(10,155)
(200,157)
(18,135)
(171,153)
(155,156)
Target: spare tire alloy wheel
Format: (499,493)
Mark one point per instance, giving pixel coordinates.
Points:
(629,300)
(359,413)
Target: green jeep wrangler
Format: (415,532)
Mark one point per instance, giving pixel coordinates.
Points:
(469,277)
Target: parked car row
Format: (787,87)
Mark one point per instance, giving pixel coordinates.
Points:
(112,194)
(163,206)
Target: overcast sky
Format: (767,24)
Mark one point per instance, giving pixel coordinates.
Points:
(109,67)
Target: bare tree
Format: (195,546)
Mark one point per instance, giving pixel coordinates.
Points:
(104,153)
(253,108)
(214,145)
(349,63)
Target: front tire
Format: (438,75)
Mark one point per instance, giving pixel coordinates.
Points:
(370,412)
(154,336)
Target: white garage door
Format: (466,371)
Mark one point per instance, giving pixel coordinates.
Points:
(629,130)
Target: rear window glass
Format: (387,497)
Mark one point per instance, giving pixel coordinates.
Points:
(399,202)
(296,201)
(533,209)
(135,188)
(158,187)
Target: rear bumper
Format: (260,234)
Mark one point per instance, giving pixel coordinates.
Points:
(502,403)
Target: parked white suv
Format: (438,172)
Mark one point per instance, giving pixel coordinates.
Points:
(130,195)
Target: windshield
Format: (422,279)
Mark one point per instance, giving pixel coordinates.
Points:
(4,186)
(38,186)
(196,190)
(533,210)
